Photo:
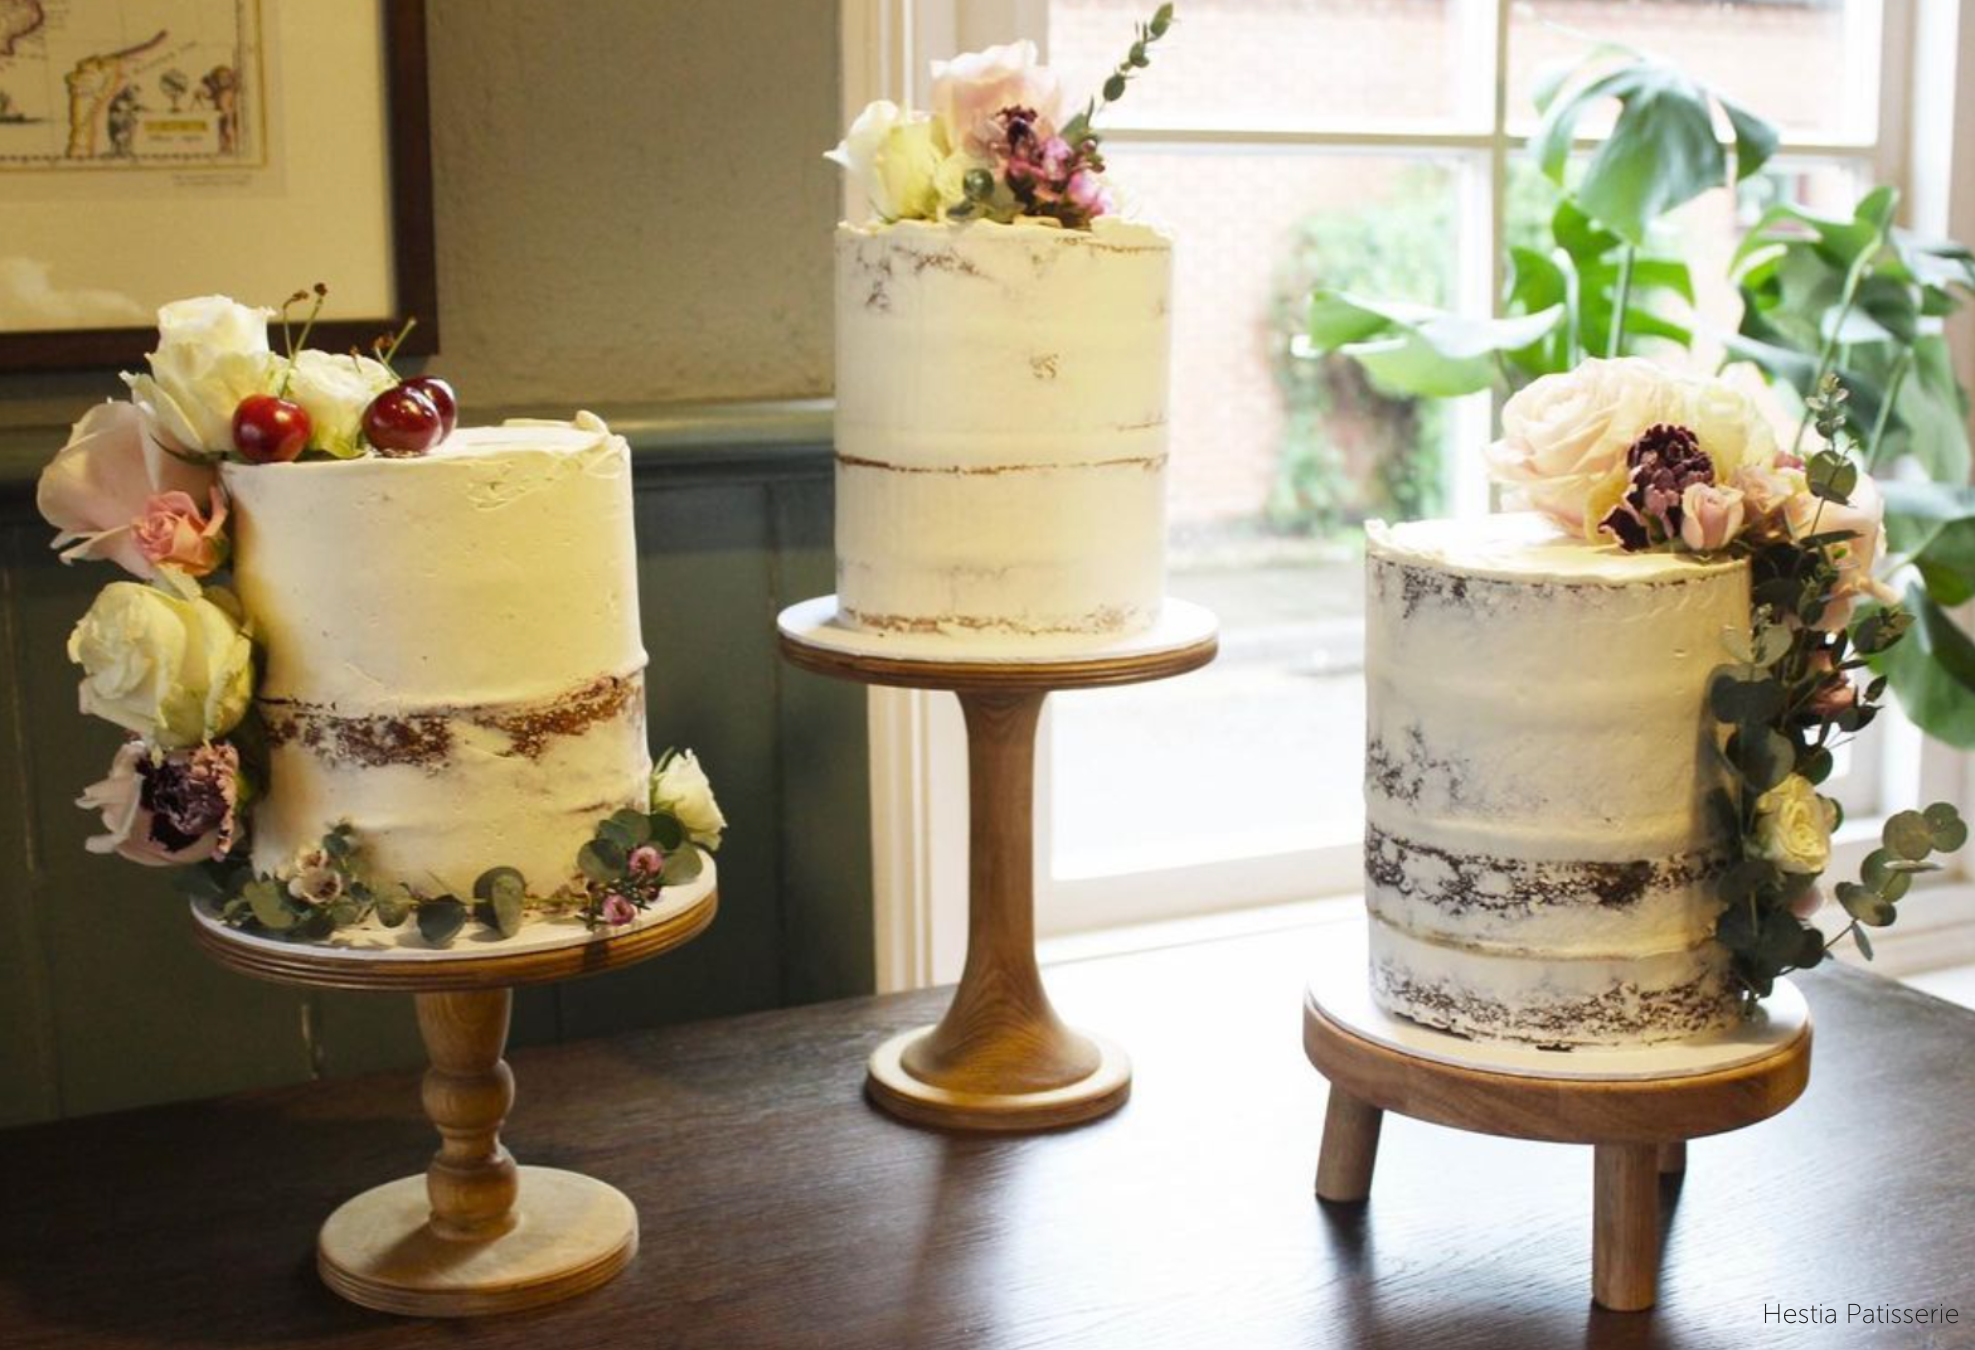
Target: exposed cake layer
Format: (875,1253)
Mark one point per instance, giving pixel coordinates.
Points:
(1546,999)
(1537,770)
(454,664)
(1001,427)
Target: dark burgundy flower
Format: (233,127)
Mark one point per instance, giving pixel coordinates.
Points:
(1663,462)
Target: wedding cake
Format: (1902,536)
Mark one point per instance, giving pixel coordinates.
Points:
(1597,727)
(1002,355)
(1001,428)
(1539,848)
(369,665)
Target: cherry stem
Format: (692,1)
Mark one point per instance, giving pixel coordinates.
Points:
(293,343)
(390,352)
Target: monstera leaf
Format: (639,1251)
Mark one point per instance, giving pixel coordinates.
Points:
(1662,151)
(1932,670)
(1418,350)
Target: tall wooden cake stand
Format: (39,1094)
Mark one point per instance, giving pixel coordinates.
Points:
(1637,1108)
(1000,1059)
(475,1234)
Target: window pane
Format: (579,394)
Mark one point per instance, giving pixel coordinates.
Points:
(1277,459)
(1811,66)
(1274,63)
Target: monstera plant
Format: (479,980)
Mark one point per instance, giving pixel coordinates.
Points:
(1854,297)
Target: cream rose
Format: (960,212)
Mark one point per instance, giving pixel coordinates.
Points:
(175,671)
(1564,437)
(894,158)
(969,90)
(1793,826)
(334,391)
(212,353)
(679,785)
(1730,427)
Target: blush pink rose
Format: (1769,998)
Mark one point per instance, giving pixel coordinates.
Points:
(102,482)
(969,90)
(173,533)
(1710,516)
(1864,516)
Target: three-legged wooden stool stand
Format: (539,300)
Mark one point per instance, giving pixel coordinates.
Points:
(1001,1059)
(476,1233)
(1636,1108)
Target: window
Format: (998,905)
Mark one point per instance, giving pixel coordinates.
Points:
(1375,145)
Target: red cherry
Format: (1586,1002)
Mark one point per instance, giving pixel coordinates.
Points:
(401,422)
(270,430)
(442,398)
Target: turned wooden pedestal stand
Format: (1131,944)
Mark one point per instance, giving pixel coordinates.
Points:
(1636,1108)
(1000,1059)
(475,1234)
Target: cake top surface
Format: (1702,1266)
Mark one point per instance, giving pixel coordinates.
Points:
(466,444)
(1105,231)
(1525,546)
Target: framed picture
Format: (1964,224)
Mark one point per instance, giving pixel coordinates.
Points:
(156,149)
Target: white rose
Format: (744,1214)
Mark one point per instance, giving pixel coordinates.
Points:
(212,353)
(176,671)
(334,391)
(1564,437)
(1730,427)
(893,157)
(969,90)
(679,785)
(1793,826)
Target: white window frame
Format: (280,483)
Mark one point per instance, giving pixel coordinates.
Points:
(918,747)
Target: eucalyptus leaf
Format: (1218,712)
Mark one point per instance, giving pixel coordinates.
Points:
(1867,906)
(1908,835)
(667,832)
(486,885)
(1864,943)
(271,906)
(1762,756)
(1950,831)
(393,905)
(601,860)
(440,919)
(681,866)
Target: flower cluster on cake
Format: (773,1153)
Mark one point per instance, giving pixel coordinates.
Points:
(373,667)
(1003,342)
(1597,727)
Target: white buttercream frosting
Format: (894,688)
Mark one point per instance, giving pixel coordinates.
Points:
(1001,427)
(1539,759)
(453,659)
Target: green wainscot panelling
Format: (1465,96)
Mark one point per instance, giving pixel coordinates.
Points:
(105,1002)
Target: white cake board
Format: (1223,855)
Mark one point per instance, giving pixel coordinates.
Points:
(370,941)
(1180,624)
(1340,989)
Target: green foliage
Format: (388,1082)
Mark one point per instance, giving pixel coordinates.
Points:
(1662,151)
(1933,671)
(1144,35)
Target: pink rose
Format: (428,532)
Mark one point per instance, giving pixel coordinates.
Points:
(171,532)
(100,484)
(1767,491)
(1808,903)
(646,861)
(1863,517)
(969,90)
(617,911)
(1710,516)
(1836,694)
(166,810)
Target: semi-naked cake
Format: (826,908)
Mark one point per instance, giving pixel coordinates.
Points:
(1539,849)
(452,654)
(1001,429)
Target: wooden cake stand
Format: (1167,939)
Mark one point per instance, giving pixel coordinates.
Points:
(1637,1108)
(475,1234)
(1000,1059)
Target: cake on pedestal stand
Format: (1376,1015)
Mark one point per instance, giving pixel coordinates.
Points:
(475,1234)
(1000,1059)
(1636,1107)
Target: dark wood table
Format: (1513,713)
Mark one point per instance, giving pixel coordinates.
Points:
(780,1209)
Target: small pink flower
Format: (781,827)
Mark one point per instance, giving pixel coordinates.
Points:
(102,482)
(1086,189)
(646,861)
(1808,903)
(617,911)
(172,532)
(1710,516)
(1862,517)
(1836,694)
(161,812)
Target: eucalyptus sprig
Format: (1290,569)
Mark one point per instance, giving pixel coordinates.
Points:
(1078,128)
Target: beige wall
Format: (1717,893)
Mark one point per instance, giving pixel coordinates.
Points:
(631,203)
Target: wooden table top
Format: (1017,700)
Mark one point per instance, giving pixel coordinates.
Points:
(780,1209)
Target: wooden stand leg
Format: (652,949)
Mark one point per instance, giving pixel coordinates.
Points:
(468,1092)
(1673,1157)
(1625,1226)
(475,1234)
(1350,1148)
(1001,1058)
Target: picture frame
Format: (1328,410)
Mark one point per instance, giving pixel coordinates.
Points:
(403,262)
